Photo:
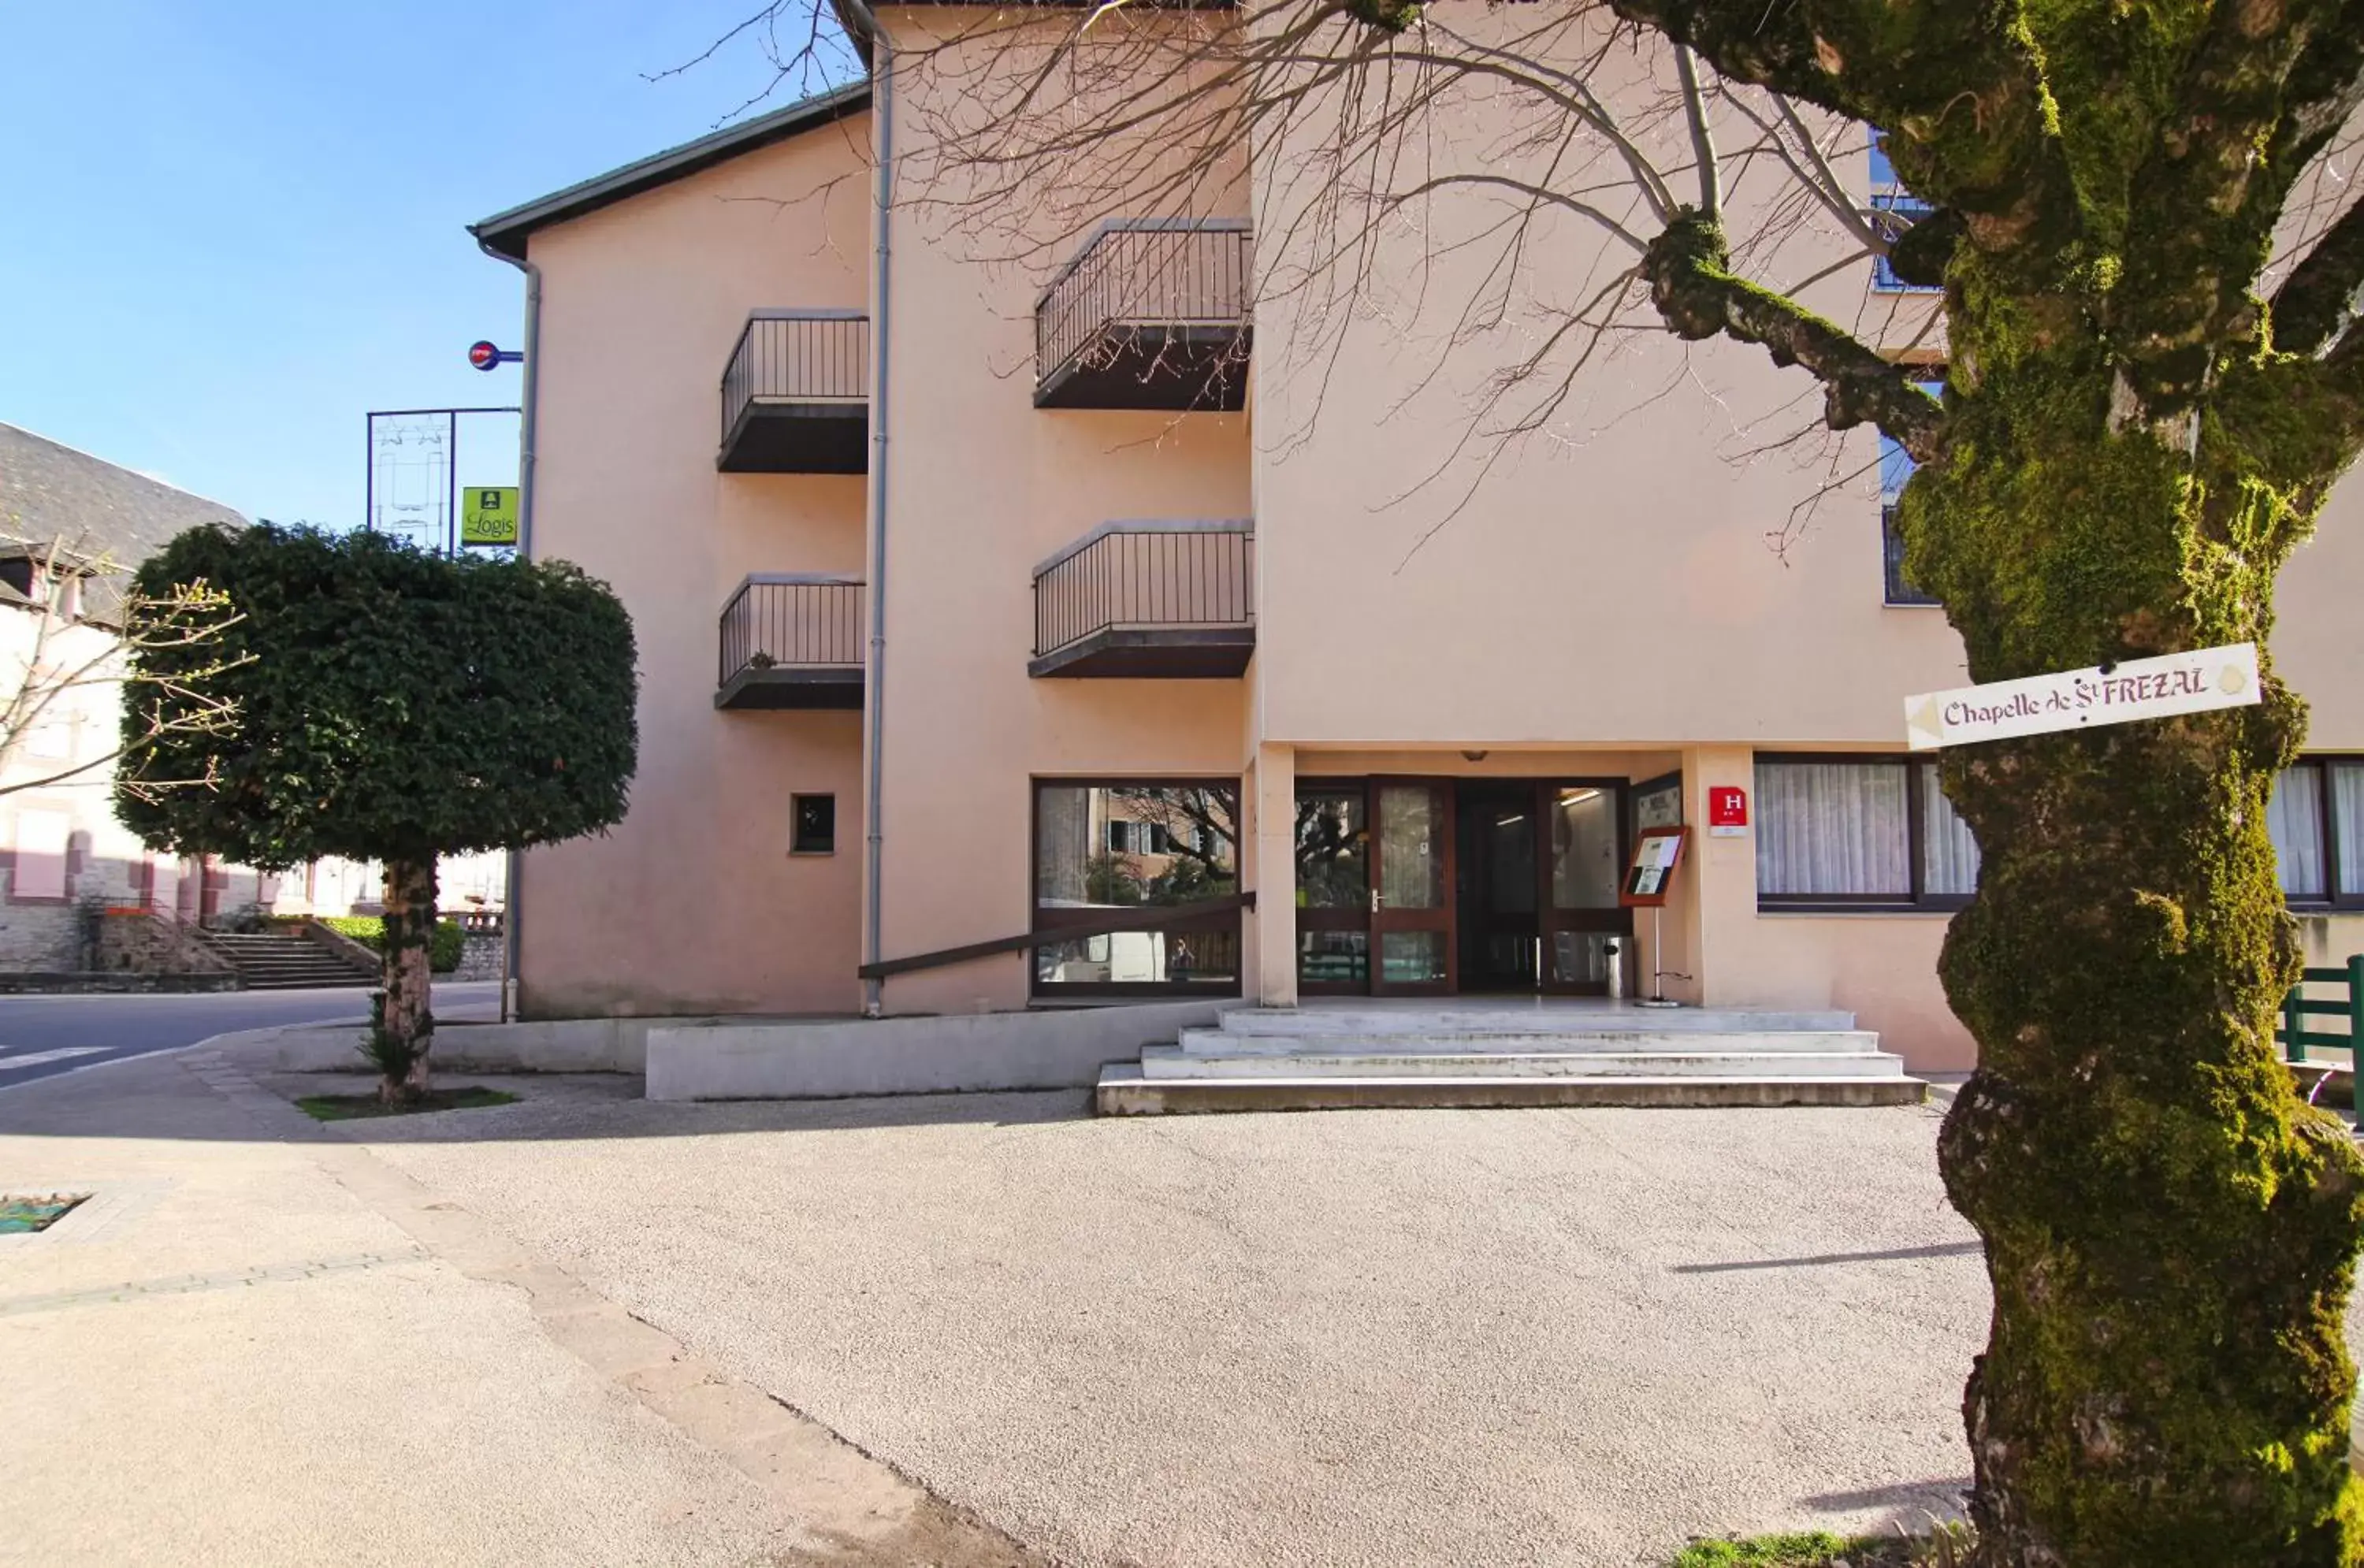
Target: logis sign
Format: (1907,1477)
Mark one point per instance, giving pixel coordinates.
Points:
(2196,682)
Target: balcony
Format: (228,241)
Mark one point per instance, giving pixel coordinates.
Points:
(795,396)
(1153,313)
(792,640)
(1151,600)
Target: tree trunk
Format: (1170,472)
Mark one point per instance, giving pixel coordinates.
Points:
(406,1026)
(2169,1230)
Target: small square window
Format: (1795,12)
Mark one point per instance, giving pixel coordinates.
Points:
(815,818)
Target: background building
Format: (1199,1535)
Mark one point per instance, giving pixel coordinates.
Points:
(1159,540)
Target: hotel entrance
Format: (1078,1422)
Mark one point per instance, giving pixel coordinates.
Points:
(1435,888)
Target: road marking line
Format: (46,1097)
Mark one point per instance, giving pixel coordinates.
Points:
(42,1058)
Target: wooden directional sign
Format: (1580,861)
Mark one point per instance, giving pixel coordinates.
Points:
(2113,694)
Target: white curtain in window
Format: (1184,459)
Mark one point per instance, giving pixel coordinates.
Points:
(2294,818)
(2348,801)
(1832,828)
(1949,852)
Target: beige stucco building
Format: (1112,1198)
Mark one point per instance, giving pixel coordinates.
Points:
(1172,614)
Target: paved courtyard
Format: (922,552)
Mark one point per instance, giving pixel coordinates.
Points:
(1387,1338)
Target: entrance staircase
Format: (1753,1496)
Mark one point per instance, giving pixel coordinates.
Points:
(1545,1052)
(274,961)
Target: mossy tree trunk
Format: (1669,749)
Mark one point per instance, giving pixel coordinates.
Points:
(2169,1231)
(406,1023)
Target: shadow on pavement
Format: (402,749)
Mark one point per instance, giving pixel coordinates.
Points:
(1822,1260)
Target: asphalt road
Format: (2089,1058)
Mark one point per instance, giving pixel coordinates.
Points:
(43,1035)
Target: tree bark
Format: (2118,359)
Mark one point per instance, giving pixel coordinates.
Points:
(405,1025)
(2169,1231)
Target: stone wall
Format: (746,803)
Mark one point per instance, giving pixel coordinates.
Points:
(140,943)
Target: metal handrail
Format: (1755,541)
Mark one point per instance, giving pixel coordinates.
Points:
(791,620)
(1161,574)
(797,356)
(1130,918)
(1144,272)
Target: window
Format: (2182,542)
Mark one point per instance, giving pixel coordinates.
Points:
(1894,209)
(815,825)
(1896,466)
(41,855)
(1105,846)
(1859,833)
(2316,817)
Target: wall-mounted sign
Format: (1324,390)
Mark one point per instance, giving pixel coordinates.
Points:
(1727,812)
(488,514)
(2196,682)
(1650,874)
(1660,802)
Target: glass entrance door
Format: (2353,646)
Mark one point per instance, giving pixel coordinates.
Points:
(1411,888)
(1584,859)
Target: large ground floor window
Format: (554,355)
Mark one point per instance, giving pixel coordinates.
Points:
(2316,817)
(1104,845)
(1858,833)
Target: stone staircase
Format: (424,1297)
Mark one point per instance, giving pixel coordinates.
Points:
(276,960)
(1517,1052)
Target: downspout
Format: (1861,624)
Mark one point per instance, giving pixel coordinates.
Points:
(528,402)
(882,109)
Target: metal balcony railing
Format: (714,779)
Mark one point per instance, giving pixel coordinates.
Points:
(1148,598)
(1179,287)
(795,393)
(790,633)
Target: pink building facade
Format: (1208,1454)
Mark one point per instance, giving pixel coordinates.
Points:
(988,589)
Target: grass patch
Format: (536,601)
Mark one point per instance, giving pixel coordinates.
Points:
(1947,1547)
(353,1107)
(24,1215)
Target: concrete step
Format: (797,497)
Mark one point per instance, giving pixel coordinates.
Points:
(1631,1040)
(1124,1090)
(1706,1059)
(1540,1017)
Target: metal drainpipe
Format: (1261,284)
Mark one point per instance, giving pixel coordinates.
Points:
(882,109)
(528,401)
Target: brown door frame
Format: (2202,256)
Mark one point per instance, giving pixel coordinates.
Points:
(1445,918)
(1357,919)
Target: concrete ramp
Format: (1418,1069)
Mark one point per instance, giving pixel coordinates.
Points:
(1044,1048)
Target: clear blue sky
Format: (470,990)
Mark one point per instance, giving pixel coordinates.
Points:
(230,231)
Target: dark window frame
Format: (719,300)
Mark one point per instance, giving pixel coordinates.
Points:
(797,844)
(1917,899)
(2334,898)
(1233,922)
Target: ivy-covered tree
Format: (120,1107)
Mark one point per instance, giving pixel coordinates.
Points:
(2140,220)
(388,704)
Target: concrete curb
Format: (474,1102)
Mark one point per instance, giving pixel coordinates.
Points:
(569,1045)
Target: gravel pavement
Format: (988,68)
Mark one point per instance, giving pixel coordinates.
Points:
(1563,1337)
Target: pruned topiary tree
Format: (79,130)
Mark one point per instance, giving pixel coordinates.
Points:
(390,705)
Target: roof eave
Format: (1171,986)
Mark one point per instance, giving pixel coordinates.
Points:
(506,233)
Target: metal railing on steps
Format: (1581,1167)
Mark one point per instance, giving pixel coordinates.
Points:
(2296,1039)
(1130,917)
